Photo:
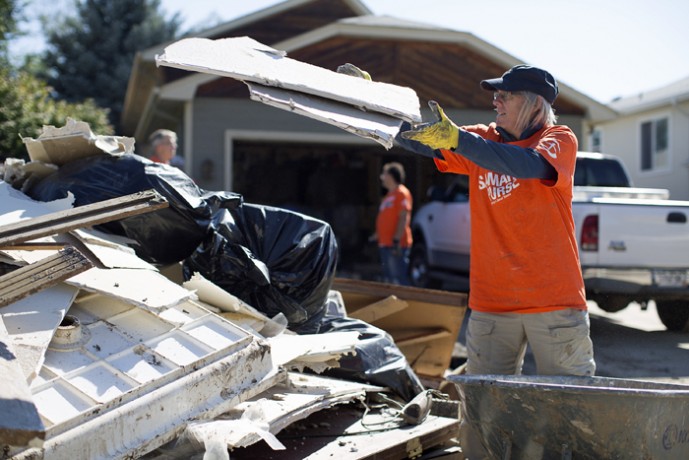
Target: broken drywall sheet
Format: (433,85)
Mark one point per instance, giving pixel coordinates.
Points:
(21,175)
(248,60)
(32,321)
(214,295)
(91,235)
(109,252)
(371,125)
(146,289)
(15,206)
(275,409)
(318,352)
(20,257)
(20,424)
(73,141)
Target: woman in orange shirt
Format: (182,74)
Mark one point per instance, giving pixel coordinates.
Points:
(393,225)
(525,284)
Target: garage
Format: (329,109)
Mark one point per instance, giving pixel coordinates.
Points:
(336,183)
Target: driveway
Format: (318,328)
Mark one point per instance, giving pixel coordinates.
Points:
(629,344)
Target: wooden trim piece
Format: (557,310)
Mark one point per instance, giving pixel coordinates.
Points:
(47,272)
(377,310)
(35,246)
(420,336)
(453,299)
(82,216)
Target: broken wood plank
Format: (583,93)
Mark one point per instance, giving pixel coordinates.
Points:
(35,246)
(82,216)
(408,293)
(375,311)
(420,336)
(45,273)
(429,310)
(20,423)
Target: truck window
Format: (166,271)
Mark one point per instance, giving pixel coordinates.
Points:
(600,173)
(458,192)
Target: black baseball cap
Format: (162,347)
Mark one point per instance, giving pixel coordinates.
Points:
(525,78)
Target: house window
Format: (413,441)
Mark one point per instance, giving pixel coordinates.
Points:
(654,144)
(596,140)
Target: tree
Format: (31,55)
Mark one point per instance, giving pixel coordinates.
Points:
(8,27)
(26,106)
(90,55)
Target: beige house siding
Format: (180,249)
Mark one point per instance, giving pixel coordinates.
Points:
(622,137)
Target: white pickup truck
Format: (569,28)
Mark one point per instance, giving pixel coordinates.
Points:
(633,242)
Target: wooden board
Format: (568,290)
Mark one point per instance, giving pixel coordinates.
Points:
(41,275)
(426,330)
(82,216)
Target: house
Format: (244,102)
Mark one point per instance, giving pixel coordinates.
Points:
(278,158)
(651,135)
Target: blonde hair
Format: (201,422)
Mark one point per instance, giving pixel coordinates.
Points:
(535,112)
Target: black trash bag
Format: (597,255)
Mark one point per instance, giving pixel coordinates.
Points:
(276,260)
(164,236)
(378,361)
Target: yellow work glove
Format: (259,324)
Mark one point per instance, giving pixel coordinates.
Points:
(440,134)
(354,71)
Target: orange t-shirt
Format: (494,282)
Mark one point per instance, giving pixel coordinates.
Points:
(524,256)
(389,213)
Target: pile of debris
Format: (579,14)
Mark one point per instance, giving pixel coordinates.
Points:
(144,317)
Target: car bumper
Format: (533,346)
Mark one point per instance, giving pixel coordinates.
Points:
(634,281)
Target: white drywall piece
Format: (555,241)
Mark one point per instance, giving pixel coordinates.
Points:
(376,126)
(250,61)
(32,321)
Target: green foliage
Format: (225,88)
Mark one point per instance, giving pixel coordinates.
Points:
(26,106)
(8,27)
(91,55)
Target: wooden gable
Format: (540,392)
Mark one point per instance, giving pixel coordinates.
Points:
(279,26)
(295,21)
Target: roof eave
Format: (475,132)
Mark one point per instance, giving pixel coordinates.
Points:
(357,6)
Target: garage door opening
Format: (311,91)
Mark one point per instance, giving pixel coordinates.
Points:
(338,184)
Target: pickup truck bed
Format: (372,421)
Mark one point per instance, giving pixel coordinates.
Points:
(633,242)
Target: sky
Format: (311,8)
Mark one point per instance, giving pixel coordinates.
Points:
(601,48)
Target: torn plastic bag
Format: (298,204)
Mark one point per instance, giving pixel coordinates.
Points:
(164,236)
(377,361)
(276,260)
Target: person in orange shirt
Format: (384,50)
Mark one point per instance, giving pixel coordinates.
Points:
(526,285)
(393,225)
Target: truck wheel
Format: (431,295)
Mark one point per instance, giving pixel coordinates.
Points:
(612,303)
(674,314)
(419,271)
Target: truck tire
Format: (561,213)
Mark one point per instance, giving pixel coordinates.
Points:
(612,303)
(419,270)
(674,314)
